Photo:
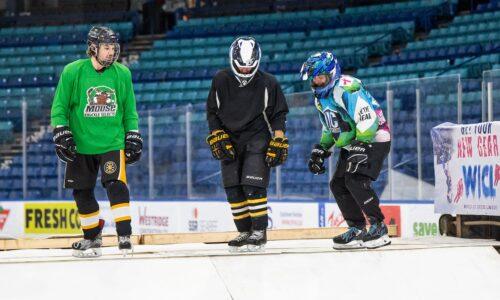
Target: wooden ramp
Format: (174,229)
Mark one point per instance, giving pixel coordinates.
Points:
(177,238)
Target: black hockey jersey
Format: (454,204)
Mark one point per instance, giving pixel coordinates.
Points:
(242,112)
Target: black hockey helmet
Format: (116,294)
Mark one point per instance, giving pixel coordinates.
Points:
(99,35)
(244,53)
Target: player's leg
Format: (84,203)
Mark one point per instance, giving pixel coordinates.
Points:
(231,173)
(241,217)
(349,208)
(81,176)
(359,184)
(352,214)
(114,179)
(257,202)
(255,180)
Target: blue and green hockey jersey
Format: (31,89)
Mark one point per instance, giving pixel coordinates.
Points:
(350,113)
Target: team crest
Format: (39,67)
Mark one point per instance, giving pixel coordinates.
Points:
(109,167)
(101,102)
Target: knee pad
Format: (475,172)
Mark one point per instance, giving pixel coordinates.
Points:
(358,181)
(83,194)
(85,201)
(254,192)
(337,185)
(235,193)
(117,192)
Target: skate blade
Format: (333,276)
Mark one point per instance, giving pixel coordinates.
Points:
(236,249)
(256,248)
(380,242)
(92,252)
(127,252)
(350,245)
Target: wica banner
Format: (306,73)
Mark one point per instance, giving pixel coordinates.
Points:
(467,168)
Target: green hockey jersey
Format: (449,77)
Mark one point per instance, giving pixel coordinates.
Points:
(98,107)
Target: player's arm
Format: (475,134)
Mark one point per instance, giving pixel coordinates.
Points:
(59,114)
(278,109)
(213,105)
(321,151)
(277,152)
(59,118)
(218,140)
(326,141)
(133,139)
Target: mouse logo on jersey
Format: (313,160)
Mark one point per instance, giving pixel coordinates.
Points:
(109,167)
(101,102)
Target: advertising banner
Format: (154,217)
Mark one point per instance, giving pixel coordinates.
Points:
(467,168)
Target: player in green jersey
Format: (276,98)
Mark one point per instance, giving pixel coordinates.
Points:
(96,127)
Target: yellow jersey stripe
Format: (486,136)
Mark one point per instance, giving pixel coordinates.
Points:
(256,201)
(120,205)
(122,175)
(241,217)
(90,226)
(239,204)
(126,218)
(89,215)
(258,214)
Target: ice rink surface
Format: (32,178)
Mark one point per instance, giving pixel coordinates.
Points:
(430,268)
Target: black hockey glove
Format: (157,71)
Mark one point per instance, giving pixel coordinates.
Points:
(318,156)
(221,146)
(133,147)
(277,152)
(65,144)
(358,156)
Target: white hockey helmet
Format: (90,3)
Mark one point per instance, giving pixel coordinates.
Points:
(244,53)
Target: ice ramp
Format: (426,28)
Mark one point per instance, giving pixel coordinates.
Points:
(431,268)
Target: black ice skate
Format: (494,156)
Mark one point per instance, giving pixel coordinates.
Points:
(351,239)
(239,243)
(125,245)
(377,236)
(89,247)
(257,241)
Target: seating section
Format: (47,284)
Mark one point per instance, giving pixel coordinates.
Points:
(177,71)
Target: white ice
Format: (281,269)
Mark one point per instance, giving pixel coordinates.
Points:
(435,268)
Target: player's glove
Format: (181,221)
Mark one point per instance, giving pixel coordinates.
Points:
(221,146)
(65,144)
(133,147)
(277,152)
(358,156)
(317,160)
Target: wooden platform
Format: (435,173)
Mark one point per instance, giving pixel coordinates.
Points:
(61,242)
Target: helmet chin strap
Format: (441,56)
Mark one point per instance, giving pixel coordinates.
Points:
(243,81)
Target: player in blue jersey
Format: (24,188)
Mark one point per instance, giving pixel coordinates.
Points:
(354,122)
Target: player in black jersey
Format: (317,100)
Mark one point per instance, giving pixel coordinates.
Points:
(246,113)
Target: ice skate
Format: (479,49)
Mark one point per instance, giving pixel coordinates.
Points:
(125,245)
(88,248)
(351,239)
(377,236)
(257,241)
(239,243)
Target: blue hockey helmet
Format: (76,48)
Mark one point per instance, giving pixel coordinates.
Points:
(321,63)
